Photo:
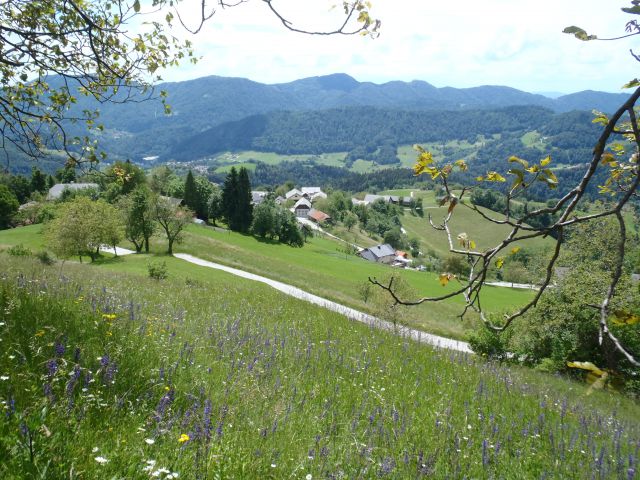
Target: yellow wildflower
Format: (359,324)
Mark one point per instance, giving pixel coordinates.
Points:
(39,333)
(183,438)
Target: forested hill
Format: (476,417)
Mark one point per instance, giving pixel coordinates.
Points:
(205,102)
(345,114)
(374,133)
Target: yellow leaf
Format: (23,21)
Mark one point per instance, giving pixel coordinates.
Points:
(480,178)
(522,162)
(545,161)
(445,278)
(462,165)
(622,317)
(586,366)
(515,250)
(472,244)
(499,262)
(495,177)
(608,159)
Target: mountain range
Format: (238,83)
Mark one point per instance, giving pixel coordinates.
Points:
(221,105)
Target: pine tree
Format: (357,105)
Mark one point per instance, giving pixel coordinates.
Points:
(38,181)
(229,199)
(191,196)
(245,201)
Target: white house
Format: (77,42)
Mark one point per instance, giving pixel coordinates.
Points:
(294,194)
(301,208)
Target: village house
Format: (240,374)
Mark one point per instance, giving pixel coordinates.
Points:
(310,193)
(318,217)
(56,191)
(383,253)
(313,193)
(301,208)
(258,196)
(294,195)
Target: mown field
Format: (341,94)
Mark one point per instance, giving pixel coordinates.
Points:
(105,373)
(484,233)
(323,268)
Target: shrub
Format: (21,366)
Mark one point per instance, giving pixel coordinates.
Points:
(19,251)
(157,270)
(490,344)
(45,257)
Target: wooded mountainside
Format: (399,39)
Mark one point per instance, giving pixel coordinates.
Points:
(332,113)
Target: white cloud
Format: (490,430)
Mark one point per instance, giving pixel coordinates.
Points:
(462,44)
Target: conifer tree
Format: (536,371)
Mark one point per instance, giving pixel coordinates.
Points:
(38,181)
(245,205)
(191,196)
(230,198)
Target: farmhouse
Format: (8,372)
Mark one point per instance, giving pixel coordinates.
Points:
(294,195)
(55,192)
(383,253)
(258,196)
(313,193)
(318,217)
(301,208)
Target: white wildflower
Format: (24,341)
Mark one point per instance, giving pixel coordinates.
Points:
(149,441)
(101,460)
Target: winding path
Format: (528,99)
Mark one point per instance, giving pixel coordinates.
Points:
(348,312)
(417,335)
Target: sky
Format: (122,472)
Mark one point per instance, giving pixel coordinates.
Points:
(460,44)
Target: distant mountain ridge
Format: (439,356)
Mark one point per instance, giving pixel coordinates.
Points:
(136,130)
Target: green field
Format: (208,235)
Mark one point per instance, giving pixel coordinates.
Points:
(106,373)
(271,158)
(484,233)
(321,267)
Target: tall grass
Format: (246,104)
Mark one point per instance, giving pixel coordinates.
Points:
(114,375)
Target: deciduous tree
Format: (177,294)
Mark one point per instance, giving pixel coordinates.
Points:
(82,226)
(173,220)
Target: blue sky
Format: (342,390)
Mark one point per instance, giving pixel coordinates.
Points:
(460,44)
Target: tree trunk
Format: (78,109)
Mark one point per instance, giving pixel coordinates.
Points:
(170,249)
(146,244)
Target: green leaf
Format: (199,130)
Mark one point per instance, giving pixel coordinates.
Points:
(633,10)
(579,33)
(632,84)
(136,6)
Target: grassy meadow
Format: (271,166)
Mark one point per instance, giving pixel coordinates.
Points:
(105,373)
(321,267)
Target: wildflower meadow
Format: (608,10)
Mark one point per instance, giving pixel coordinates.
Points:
(107,374)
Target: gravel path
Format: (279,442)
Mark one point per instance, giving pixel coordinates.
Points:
(351,313)
(300,294)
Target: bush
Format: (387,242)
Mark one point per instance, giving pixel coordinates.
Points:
(157,270)
(45,257)
(19,251)
(490,344)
